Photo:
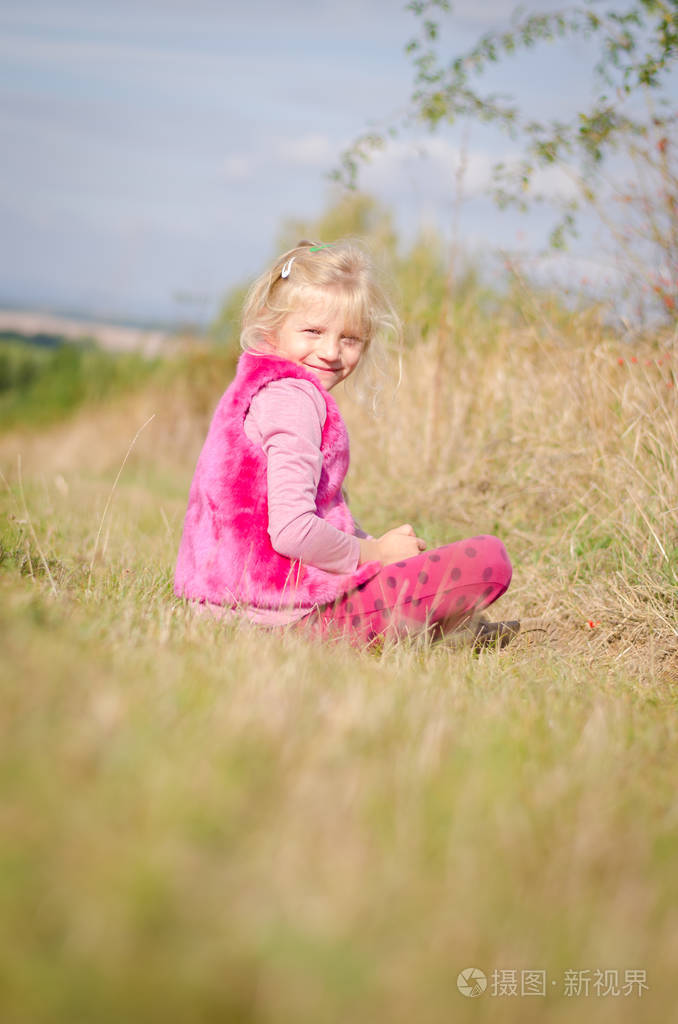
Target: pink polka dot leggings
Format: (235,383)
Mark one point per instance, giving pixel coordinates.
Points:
(435,591)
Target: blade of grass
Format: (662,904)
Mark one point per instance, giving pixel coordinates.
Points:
(110,498)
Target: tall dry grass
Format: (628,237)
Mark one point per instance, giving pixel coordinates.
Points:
(206,822)
(566,446)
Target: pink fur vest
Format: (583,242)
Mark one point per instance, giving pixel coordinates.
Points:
(226,555)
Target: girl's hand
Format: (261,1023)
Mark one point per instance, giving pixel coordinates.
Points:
(393,546)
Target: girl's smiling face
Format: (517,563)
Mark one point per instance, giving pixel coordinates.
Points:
(316,337)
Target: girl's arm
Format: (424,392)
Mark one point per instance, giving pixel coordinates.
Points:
(286,418)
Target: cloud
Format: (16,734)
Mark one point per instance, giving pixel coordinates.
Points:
(307,151)
(310,152)
(436,165)
(554,183)
(238,167)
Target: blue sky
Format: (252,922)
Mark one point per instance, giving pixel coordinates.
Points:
(153,147)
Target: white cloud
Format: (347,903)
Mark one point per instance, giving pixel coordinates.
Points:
(238,167)
(307,151)
(434,164)
(312,152)
(554,183)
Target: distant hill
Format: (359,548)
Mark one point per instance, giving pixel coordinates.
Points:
(47,330)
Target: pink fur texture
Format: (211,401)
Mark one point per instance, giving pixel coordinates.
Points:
(226,555)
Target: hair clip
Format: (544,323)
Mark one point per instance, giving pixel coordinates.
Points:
(315,248)
(285,272)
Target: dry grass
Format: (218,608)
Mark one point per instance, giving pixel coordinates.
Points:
(206,822)
(565,452)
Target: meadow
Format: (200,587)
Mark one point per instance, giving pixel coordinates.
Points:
(203,821)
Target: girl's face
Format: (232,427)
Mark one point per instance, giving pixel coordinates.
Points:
(316,337)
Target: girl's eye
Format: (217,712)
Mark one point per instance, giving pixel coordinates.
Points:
(352,342)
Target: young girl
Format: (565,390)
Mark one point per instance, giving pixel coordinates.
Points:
(268,533)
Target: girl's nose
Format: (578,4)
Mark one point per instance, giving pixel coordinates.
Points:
(329,348)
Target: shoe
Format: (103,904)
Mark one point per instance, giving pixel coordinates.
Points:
(495,634)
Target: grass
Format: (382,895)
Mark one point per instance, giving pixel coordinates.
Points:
(44,380)
(201,821)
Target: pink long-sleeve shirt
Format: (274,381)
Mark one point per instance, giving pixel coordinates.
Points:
(286,418)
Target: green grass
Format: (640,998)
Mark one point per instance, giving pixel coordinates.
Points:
(42,384)
(203,821)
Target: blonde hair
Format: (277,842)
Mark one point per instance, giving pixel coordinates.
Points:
(345,271)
